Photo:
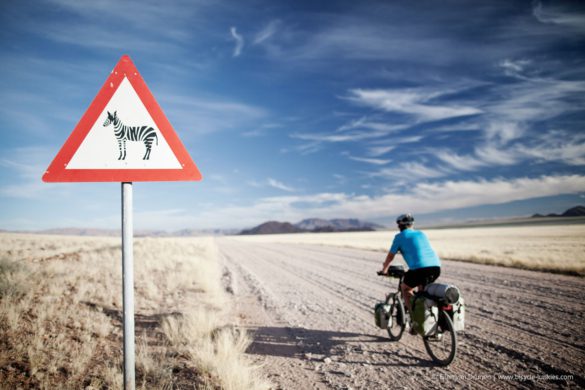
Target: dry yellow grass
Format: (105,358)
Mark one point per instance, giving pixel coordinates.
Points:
(559,248)
(60,315)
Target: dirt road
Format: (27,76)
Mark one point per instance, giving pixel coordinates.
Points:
(310,310)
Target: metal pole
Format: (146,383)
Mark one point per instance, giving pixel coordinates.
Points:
(128,285)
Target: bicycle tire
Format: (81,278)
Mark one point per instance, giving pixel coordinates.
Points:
(396,321)
(445,329)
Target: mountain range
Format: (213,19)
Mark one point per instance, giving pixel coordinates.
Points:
(577,211)
(313,225)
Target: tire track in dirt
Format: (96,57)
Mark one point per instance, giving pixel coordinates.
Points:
(310,310)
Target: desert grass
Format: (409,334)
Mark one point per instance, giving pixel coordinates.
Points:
(559,248)
(61,315)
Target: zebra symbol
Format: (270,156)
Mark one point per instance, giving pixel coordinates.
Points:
(125,133)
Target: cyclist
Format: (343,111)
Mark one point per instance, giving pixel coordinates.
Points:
(424,266)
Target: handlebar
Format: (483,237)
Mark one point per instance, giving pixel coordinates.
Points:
(396,271)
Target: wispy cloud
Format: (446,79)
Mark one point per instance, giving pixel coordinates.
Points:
(217,104)
(514,68)
(462,126)
(421,104)
(279,185)
(261,130)
(377,151)
(366,37)
(555,146)
(558,15)
(358,130)
(267,32)
(501,133)
(239,42)
(458,162)
(378,127)
(271,183)
(384,145)
(204,115)
(373,161)
(335,137)
(307,148)
(534,100)
(491,154)
(411,171)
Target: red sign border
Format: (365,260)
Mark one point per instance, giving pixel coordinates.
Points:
(57,172)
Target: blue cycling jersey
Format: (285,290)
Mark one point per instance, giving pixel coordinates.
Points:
(415,248)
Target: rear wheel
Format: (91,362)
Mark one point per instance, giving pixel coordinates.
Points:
(442,345)
(396,321)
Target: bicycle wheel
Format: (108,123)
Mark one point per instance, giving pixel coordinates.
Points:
(442,345)
(396,321)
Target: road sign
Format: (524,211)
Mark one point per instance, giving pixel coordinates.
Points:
(124,136)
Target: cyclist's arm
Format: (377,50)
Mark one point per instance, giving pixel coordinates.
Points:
(387,262)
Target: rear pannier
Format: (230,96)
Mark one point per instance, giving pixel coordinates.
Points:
(425,315)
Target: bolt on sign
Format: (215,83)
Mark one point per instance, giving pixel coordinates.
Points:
(124,136)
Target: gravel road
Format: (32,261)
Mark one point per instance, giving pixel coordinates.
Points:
(309,309)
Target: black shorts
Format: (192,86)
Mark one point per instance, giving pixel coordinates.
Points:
(421,276)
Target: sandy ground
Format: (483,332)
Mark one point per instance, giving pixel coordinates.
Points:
(310,310)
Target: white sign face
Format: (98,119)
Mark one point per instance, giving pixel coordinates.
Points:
(124,137)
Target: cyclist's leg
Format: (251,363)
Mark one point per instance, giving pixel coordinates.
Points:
(407,294)
(409,283)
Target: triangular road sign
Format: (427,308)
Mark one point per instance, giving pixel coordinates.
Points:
(124,136)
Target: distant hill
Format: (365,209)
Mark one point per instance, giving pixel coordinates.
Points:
(313,225)
(577,211)
(350,224)
(273,227)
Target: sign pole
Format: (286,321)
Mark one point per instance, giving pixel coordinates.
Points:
(128,285)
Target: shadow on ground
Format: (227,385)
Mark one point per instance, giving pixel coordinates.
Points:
(343,347)
(141,321)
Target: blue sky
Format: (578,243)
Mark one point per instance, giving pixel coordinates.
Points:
(450,110)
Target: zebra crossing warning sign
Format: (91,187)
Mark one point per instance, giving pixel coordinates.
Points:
(124,136)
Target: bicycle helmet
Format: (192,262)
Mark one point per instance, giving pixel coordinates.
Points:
(405,220)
